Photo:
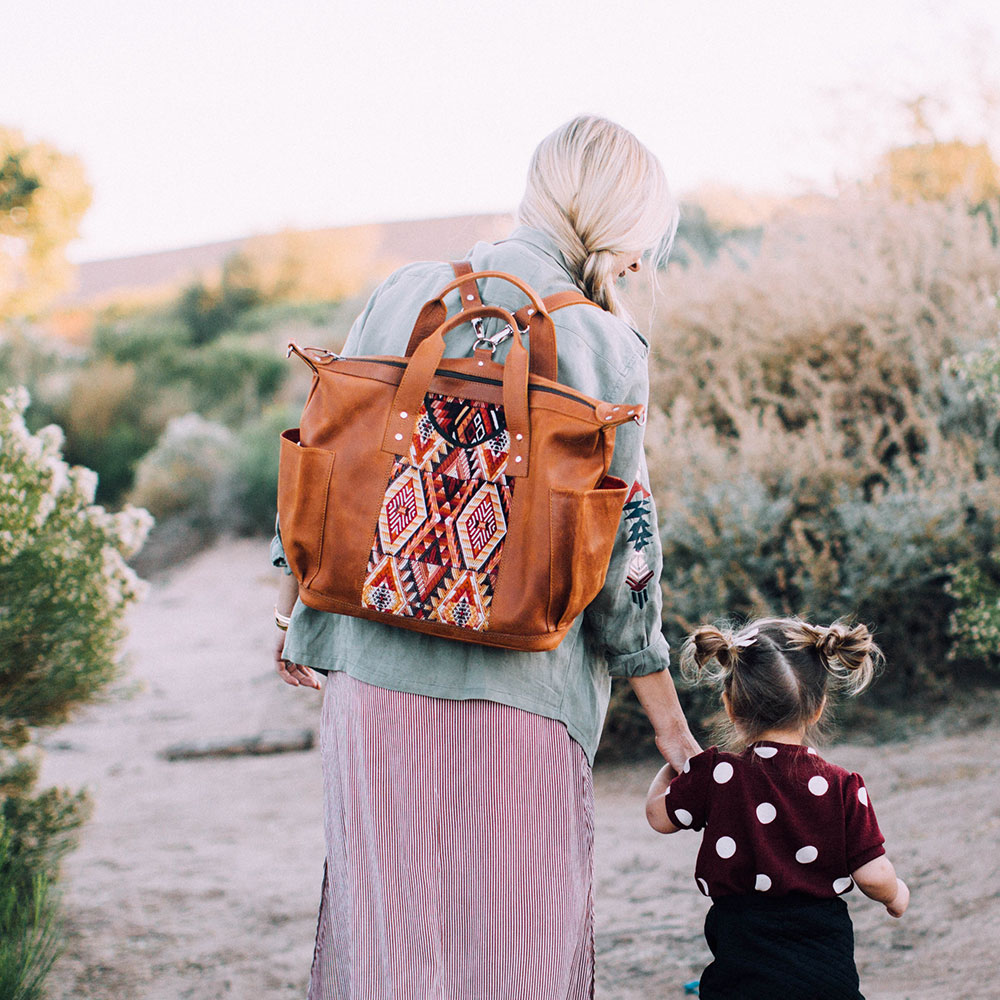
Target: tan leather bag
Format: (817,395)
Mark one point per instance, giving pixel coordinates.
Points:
(460,497)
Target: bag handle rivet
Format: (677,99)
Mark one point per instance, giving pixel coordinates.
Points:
(403,415)
(399,437)
(519,437)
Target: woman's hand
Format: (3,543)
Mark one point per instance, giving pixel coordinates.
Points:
(292,673)
(658,698)
(676,746)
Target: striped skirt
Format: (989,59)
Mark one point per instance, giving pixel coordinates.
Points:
(459,858)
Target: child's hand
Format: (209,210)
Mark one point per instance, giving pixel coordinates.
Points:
(898,906)
(656,807)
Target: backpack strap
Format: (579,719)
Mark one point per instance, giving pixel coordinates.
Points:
(553,302)
(469,290)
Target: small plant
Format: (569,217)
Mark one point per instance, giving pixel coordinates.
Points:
(28,939)
(975,622)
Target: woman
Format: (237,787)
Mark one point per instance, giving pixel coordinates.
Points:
(459,799)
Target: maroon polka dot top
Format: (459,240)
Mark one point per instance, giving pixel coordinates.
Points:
(777,818)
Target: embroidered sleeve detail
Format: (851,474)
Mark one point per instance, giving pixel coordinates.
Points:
(640,532)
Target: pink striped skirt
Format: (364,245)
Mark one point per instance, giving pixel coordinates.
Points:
(459,851)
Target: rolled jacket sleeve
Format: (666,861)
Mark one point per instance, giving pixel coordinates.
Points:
(624,618)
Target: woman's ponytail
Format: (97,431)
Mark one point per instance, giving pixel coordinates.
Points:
(599,278)
(602,197)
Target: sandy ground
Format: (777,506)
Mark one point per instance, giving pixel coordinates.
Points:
(201,878)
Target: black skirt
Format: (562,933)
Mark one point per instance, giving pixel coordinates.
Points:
(790,948)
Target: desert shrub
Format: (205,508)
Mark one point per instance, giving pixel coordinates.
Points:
(812,448)
(226,380)
(108,423)
(255,475)
(64,586)
(189,473)
(144,371)
(140,340)
(208,311)
(272,315)
(698,236)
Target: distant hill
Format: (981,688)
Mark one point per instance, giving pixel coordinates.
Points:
(372,250)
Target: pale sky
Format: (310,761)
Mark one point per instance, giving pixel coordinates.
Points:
(202,120)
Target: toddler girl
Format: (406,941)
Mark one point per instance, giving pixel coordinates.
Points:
(786,833)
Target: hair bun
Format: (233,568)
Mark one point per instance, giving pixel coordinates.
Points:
(852,645)
(706,644)
(845,649)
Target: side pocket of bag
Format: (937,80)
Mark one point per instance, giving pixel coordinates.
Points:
(582,530)
(303,501)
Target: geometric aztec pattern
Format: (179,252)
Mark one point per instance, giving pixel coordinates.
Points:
(444,516)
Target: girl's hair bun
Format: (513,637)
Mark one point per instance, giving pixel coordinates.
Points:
(706,644)
(848,651)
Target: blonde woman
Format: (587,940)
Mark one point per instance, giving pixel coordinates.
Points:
(459,799)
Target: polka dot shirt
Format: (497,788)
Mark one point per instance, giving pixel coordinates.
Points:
(777,818)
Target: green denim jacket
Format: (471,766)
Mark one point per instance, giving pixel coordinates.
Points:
(619,633)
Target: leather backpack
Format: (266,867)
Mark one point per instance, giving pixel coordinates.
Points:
(456,496)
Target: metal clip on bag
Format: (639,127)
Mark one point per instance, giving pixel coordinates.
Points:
(459,497)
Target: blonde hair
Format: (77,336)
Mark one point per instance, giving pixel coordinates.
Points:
(775,671)
(599,193)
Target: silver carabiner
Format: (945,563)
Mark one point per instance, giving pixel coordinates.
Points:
(485,342)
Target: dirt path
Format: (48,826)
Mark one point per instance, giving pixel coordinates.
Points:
(200,879)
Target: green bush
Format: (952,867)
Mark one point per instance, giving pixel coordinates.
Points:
(255,485)
(975,621)
(64,586)
(226,380)
(974,583)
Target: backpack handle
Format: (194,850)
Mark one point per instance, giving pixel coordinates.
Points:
(540,329)
(557,300)
(420,371)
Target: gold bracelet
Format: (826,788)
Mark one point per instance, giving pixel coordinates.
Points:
(282,621)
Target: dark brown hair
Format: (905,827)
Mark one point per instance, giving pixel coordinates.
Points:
(775,672)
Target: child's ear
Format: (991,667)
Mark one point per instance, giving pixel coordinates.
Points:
(727,707)
(818,713)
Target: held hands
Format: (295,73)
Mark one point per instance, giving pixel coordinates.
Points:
(291,673)
(676,746)
(902,899)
